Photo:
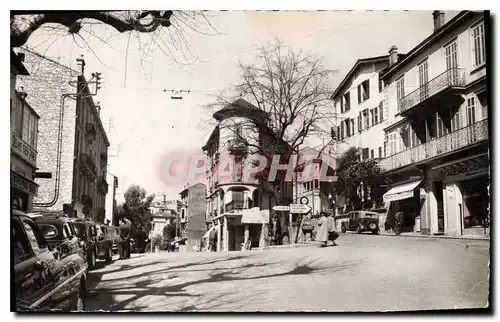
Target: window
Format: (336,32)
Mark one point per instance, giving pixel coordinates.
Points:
(366,152)
(450,54)
(360,123)
(380,152)
(455,121)
(381,85)
(342,135)
(392,143)
(345,102)
(33,132)
(348,127)
(34,238)
(352,126)
(400,91)
(385,148)
(471,111)
(26,125)
(372,154)
(413,138)
(366,118)
(375,116)
(478,45)
(381,111)
(21,249)
(441,127)
(364,91)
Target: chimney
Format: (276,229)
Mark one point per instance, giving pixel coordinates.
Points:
(81,63)
(393,55)
(438,19)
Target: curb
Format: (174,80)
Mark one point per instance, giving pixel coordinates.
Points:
(436,236)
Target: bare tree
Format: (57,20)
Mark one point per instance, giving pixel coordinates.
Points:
(291,90)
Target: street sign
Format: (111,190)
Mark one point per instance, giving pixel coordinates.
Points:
(281,208)
(304,200)
(299,208)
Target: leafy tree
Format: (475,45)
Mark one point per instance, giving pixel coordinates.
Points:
(136,208)
(359,181)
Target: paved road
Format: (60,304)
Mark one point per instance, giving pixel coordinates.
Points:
(363,273)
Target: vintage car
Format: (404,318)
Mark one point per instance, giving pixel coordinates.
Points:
(59,232)
(109,234)
(43,279)
(361,221)
(95,247)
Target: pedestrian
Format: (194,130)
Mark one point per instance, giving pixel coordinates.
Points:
(332,234)
(307,227)
(322,235)
(125,238)
(399,221)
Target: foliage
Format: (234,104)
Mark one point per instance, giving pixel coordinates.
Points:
(169,232)
(136,208)
(355,175)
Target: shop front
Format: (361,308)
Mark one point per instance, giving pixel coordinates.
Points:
(466,198)
(22,191)
(406,198)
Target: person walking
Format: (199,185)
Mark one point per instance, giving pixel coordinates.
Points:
(322,235)
(125,238)
(332,234)
(307,228)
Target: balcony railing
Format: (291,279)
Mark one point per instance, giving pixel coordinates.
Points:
(102,185)
(454,77)
(455,140)
(23,149)
(236,205)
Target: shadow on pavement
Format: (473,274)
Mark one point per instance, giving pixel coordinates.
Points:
(104,297)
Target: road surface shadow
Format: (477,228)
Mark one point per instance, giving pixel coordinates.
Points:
(103,298)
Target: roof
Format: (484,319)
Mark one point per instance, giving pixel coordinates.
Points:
(323,157)
(194,185)
(16,62)
(436,35)
(358,64)
(212,137)
(240,107)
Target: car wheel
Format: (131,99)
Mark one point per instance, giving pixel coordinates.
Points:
(358,230)
(92,260)
(343,229)
(78,302)
(109,256)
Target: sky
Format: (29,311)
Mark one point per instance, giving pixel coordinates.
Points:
(143,123)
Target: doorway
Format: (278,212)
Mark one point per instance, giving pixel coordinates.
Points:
(438,192)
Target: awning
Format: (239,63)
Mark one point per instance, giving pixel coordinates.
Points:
(254,216)
(402,191)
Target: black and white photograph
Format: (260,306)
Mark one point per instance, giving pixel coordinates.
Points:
(250,160)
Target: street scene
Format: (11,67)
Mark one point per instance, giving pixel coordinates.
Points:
(234,161)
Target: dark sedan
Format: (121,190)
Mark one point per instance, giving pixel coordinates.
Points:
(44,279)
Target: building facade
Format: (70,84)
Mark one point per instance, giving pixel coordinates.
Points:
(437,142)
(192,214)
(72,142)
(239,206)
(110,202)
(24,139)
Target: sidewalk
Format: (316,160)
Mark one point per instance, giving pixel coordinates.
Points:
(386,233)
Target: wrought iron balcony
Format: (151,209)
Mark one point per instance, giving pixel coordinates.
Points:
(102,185)
(450,142)
(87,165)
(237,205)
(453,78)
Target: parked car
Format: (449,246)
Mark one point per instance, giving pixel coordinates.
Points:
(44,279)
(109,234)
(361,221)
(60,233)
(138,242)
(95,248)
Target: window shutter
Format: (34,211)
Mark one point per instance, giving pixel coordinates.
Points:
(360,122)
(381,111)
(359,93)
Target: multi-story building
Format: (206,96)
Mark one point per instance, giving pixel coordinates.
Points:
(24,139)
(72,142)
(192,214)
(238,206)
(437,143)
(161,219)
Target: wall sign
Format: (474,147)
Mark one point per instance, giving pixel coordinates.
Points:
(23,184)
(468,169)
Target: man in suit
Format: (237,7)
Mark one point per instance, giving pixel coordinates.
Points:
(125,228)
